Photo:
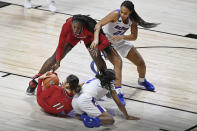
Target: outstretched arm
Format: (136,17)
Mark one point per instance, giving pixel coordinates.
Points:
(121,107)
(111,17)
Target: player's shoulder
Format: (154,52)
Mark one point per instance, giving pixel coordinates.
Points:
(114,15)
(69,19)
(67,23)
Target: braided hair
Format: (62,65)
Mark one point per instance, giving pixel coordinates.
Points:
(87,21)
(129,5)
(106,78)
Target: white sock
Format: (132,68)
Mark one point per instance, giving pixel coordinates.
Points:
(141,79)
(118,90)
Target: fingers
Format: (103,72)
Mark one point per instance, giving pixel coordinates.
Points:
(117,38)
(133,118)
(93,52)
(94,44)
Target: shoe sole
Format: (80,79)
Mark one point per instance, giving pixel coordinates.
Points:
(30,94)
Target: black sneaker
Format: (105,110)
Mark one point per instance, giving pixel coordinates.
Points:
(31,88)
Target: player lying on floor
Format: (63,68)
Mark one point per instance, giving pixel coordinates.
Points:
(55,99)
(84,100)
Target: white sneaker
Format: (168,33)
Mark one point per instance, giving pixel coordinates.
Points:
(27,4)
(52,7)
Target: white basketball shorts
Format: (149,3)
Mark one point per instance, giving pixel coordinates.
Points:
(84,103)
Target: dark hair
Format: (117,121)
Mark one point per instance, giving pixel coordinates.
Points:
(106,78)
(87,21)
(73,83)
(128,4)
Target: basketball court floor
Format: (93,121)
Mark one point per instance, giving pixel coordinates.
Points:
(29,36)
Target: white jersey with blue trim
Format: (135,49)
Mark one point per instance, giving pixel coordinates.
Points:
(94,89)
(116,28)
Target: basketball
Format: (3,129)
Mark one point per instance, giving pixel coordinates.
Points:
(52,79)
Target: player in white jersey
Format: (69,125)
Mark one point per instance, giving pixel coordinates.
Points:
(85,100)
(115,24)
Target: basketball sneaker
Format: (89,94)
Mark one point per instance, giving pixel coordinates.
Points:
(27,4)
(32,85)
(147,85)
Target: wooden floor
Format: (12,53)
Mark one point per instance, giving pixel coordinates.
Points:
(29,36)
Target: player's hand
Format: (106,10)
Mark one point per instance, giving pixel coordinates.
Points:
(56,66)
(43,76)
(93,51)
(94,44)
(46,75)
(132,118)
(117,38)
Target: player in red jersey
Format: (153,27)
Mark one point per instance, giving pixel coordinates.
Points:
(56,99)
(78,28)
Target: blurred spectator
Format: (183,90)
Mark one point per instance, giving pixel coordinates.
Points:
(51,5)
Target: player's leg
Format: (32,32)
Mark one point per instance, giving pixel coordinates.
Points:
(116,60)
(92,114)
(104,119)
(135,57)
(99,61)
(48,64)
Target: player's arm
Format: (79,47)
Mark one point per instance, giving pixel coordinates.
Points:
(60,47)
(130,37)
(39,81)
(134,32)
(111,17)
(121,107)
(39,89)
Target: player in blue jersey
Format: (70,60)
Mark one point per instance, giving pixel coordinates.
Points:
(115,24)
(85,100)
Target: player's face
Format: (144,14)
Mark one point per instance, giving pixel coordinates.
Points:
(77,28)
(124,13)
(65,84)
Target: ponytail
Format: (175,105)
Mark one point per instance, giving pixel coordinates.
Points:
(136,17)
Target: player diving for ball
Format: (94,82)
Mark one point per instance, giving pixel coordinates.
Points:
(56,99)
(85,99)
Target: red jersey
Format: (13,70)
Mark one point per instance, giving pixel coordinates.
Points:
(54,99)
(67,36)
